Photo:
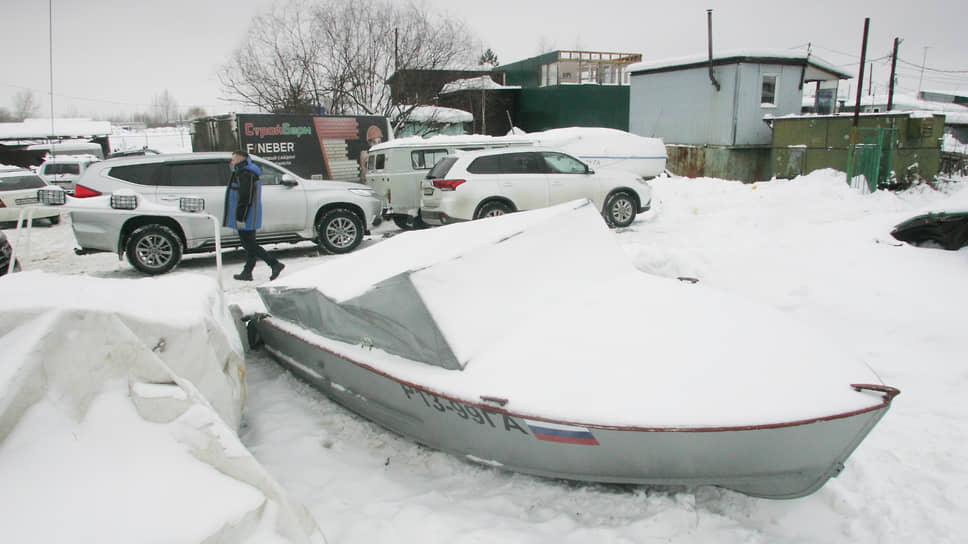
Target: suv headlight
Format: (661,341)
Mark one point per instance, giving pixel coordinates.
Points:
(363,192)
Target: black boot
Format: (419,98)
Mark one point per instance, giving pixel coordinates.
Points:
(276,270)
(245,275)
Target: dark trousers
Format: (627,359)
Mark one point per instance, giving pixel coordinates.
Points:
(254,251)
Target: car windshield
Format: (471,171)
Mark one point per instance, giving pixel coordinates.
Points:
(13,183)
(441,168)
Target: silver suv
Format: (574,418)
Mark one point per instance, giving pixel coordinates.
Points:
(155,234)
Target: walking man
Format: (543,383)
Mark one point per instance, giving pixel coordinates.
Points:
(243,212)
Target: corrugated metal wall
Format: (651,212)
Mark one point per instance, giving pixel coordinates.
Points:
(804,144)
(572,106)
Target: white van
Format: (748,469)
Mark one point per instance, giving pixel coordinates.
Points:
(63,170)
(395,169)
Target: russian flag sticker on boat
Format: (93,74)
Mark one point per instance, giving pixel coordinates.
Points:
(556,432)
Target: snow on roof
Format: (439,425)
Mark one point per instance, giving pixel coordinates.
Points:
(755,54)
(483,83)
(438,114)
(955,114)
(62,128)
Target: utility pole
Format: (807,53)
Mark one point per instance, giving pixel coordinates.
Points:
(860,77)
(50,24)
(924,60)
(890,91)
(870,81)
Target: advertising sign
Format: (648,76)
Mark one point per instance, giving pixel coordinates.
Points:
(327,147)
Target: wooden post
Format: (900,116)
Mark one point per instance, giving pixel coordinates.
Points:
(860,77)
(890,92)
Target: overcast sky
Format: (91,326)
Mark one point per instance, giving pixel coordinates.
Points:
(113,56)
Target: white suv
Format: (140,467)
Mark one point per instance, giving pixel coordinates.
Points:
(131,206)
(495,182)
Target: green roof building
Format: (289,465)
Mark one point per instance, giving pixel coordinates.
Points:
(571,88)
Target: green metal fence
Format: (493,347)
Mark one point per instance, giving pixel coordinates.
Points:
(871,155)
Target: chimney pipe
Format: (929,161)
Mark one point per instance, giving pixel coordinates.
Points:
(709,33)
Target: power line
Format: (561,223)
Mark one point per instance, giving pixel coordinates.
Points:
(920,66)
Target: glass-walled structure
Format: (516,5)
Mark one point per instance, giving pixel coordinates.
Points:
(587,67)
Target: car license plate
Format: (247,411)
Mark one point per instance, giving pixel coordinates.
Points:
(428,191)
(22,201)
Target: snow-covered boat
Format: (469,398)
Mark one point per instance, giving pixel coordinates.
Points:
(529,342)
(607,148)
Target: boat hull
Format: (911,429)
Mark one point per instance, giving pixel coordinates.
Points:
(777,461)
(647,167)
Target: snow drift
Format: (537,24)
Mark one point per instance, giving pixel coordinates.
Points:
(125,395)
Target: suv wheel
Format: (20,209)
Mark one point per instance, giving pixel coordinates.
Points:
(340,231)
(493,209)
(153,249)
(619,210)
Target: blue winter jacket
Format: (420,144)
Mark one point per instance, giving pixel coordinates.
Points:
(243,197)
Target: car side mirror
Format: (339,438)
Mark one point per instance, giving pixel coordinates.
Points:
(588,170)
(288,180)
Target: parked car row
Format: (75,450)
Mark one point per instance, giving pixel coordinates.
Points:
(136,206)
(513,173)
(459,179)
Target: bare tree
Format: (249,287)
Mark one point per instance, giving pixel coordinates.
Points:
(276,67)
(24,105)
(165,108)
(339,54)
(5,115)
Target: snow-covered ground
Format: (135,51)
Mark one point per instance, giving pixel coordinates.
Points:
(810,248)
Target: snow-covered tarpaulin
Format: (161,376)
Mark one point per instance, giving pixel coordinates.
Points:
(125,396)
(543,307)
(607,148)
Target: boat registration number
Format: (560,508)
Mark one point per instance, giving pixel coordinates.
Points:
(463,411)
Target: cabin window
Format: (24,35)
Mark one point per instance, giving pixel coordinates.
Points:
(424,159)
(768,91)
(548,74)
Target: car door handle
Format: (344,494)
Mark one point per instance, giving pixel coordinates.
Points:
(170,198)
